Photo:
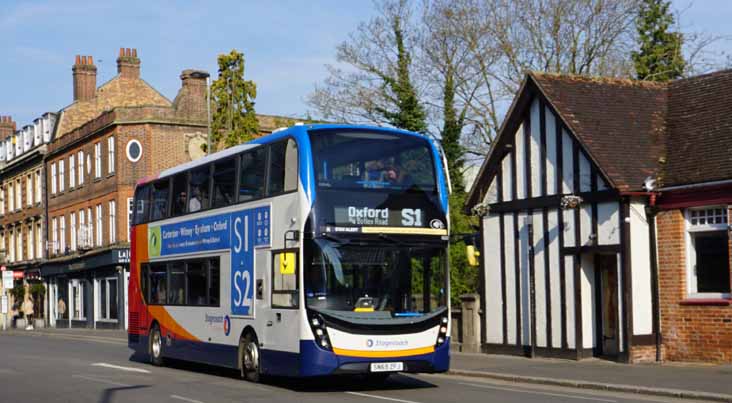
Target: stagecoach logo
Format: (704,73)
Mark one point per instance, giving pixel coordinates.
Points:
(227,325)
(154,242)
(386,343)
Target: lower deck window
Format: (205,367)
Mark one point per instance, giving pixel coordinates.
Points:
(192,282)
(708,251)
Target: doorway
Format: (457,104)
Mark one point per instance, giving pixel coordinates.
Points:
(606,303)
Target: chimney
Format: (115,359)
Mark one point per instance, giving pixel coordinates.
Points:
(128,65)
(7,127)
(85,78)
(190,103)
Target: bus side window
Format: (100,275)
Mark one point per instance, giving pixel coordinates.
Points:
(199,197)
(213,283)
(144,281)
(180,194)
(196,274)
(283,167)
(177,283)
(224,178)
(142,209)
(284,280)
(253,165)
(158,283)
(159,206)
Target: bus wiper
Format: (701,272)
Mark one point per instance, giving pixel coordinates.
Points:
(334,238)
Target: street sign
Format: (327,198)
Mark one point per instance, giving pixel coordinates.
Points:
(4,303)
(7,279)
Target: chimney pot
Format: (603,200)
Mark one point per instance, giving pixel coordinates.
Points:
(78,59)
(90,60)
(134,52)
(121,52)
(85,78)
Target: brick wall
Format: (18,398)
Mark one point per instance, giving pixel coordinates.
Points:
(641,354)
(690,332)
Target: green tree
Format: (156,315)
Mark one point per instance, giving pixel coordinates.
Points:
(409,113)
(659,57)
(232,100)
(463,277)
(451,130)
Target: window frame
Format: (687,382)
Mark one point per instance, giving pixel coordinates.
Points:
(98,160)
(689,231)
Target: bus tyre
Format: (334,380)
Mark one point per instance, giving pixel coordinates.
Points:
(250,360)
(156,346)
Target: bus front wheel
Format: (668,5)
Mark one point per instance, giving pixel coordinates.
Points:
(250,360)
(156,346)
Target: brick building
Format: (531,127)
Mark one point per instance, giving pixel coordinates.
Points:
(22,205)
(605,212)
(105,141)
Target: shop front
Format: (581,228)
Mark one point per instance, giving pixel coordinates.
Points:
(88,291)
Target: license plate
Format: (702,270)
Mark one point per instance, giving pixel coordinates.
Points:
(387,366)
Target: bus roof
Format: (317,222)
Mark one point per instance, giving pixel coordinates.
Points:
(277,135)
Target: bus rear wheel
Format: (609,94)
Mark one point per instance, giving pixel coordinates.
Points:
(156,346)
(250,359)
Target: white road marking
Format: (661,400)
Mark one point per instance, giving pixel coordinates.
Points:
(381,397)
(128,369)
(185,399)
(539,392)
(89,378)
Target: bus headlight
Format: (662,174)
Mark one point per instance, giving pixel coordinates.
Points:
(317,325)
(442,333)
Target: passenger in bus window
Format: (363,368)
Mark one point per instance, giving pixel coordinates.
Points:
(195,203)
(180,203)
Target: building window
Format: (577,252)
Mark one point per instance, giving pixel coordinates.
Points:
(98,225)
(98,160)
(89,228)
(107,303)
(31,242)
(110,156)
(38,186)
(2,199)
(130,210)
(112,222)
(708,264)
(11,246)
(72,241)
(83,232)
(77,299)
(61,176)
(80,159)
(134,150)
(19,243)
(39,241)
(54,235)
(72,171)
(53,178)
(62,234)
(29,190)
(18,194)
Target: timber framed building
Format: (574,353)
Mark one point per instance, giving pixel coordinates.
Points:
(604,225)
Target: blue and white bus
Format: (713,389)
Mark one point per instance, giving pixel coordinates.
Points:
(316,250)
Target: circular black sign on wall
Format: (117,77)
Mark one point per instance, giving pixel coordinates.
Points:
(134,150)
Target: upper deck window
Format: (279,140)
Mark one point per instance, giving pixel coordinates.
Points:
(371,160)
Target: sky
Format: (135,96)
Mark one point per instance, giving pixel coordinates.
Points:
(286,44)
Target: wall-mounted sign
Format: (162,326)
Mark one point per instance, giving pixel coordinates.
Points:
(7,279)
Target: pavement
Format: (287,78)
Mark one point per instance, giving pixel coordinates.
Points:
(95,365)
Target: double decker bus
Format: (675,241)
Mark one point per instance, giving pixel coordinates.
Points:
(316,250)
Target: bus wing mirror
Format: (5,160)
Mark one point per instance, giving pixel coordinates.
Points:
(473,255)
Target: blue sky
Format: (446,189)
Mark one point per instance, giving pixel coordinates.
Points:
(286,44)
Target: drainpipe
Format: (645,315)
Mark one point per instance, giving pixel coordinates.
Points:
(651,211)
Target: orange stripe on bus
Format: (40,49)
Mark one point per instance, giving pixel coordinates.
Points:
(166,321)
(384,354)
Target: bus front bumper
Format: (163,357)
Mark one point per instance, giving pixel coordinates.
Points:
(315,361)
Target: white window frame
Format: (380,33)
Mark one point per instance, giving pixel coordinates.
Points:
(689,230)
(53,178)
(104,316)
(72,224)
(62,234)
(39,240)
(11,197)
(54,235)
(29,189)
(19,193)
(98,160)
(80,286)
(80,161)
(31,242)
(61,176)
(98,225)
(112,221)
(72,171)
(110,155)
(19,243)
(38,186)
(11,245)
